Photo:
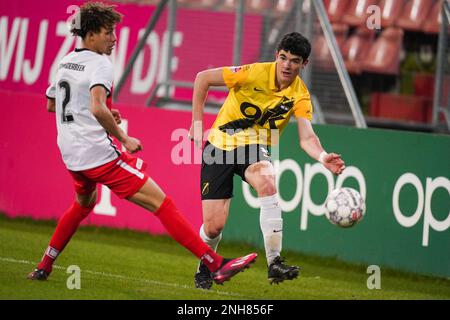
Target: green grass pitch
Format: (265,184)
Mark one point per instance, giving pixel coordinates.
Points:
(122,264)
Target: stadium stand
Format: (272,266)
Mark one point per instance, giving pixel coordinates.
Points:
(336,9)
(228,5)
(424,84)
(384,55)
(258,6)
(390,11)
(284,6)
(322,52)
(400,107)
(356,48)
(415,13)
(198,4)
(369,55)
(356,13)
(434,20)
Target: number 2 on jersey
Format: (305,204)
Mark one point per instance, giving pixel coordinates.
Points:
(65,117)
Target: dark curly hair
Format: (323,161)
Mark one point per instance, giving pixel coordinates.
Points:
(92,17)
(296,44)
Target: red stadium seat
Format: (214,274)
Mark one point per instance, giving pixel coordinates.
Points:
(424,85)
(414,14)
(255,6)
(228,5)
(384,55)
(284,6)
(398,107)
(259,6)
(340,32)
(336,9)
(322,52)
(390,11)
(356,14)
(356,48)
(434,20)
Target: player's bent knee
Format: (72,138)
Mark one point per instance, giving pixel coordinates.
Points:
(213,232)
(87,201)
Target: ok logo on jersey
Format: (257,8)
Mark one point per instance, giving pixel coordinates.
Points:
(253,115)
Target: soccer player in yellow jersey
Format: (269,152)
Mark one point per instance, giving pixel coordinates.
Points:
(262,98)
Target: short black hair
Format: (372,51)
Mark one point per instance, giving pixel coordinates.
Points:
(295,43)
(92,17)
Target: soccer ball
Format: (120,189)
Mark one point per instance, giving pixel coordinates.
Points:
(344,207)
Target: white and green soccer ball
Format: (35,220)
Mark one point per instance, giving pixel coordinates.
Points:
(345,207)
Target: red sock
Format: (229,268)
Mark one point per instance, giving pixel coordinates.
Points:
(182,232)
(65,229)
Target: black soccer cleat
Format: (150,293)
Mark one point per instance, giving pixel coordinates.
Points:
(279,271)
(38,274)
(203,278)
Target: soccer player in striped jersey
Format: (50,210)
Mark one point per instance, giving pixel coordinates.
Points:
(261,100)
(84,122)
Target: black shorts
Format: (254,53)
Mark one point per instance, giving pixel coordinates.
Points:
(220,166)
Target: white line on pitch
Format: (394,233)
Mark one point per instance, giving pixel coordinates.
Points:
(117,276)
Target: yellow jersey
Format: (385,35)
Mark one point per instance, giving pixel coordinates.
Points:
(255,111)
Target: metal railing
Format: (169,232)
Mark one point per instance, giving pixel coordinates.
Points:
(150,26)
(340,65)
(441,104)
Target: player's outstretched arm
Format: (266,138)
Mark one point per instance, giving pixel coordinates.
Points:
(312,146)
(107,121)
(203,80)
